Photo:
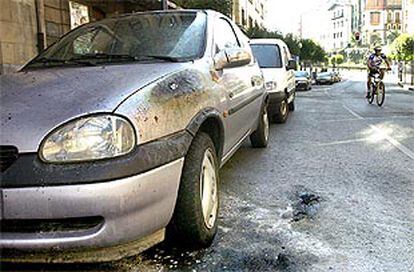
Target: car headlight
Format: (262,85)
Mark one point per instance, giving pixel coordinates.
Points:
(89,138)
(271,85)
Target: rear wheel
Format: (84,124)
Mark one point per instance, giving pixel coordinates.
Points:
(380,94)
(194,222)
(260,137)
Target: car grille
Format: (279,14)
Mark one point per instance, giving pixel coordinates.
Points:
(8,155)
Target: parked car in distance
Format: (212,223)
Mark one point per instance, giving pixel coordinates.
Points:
(325,78)
(278,69)
(303,81)
(115,135)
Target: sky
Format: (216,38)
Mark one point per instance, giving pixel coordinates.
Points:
(284,15)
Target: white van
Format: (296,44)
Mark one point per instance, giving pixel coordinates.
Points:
(278,69)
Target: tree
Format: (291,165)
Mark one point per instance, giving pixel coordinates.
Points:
(259,32)
(311,52)
(392,36)
(223,6)
(402,49)
(337,59)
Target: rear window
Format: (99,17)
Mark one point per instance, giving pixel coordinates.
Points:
(268,55)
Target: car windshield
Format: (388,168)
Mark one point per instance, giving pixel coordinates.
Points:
(301,74)
(325,74)
(153,36)
(268,55)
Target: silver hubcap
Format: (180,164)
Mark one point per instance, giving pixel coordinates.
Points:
(208,189)
(283,108)
(266,125)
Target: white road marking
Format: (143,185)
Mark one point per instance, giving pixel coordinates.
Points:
(387,137)
(344,142)
(353,113)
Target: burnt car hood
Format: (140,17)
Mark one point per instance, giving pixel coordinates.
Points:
(35,102)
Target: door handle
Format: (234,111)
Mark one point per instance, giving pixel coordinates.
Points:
(231,95)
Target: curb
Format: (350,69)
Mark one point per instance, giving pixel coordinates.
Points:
(406,87)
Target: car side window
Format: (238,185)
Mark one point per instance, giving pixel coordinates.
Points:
(224,36)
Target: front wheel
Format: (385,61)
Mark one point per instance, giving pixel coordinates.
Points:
(282,112)
(194,222)
(260,137)
(292,106)
(380,94)
(372,94)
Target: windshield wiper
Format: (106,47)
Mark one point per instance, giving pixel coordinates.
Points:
(107,56)
(61,61)
(158,57)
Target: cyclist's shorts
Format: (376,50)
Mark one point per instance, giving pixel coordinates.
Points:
(372,72)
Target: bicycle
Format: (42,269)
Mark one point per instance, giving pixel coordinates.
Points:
(377,88)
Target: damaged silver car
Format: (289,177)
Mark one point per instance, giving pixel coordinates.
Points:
(111,139)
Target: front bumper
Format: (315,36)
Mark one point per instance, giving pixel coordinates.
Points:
(302,85)
(324,81)
(130,209)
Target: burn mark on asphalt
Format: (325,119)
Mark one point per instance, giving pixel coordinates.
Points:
(306,205)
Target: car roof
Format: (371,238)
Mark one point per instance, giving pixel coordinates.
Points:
(206,11)
(268,41)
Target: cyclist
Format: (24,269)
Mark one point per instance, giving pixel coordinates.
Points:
(374,63)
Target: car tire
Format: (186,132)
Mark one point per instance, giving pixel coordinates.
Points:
(260,137)
(292,106)
(195,219)
(281,112)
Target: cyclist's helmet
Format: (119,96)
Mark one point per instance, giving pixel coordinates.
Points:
(377,48)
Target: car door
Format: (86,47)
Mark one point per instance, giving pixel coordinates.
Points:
(237,83)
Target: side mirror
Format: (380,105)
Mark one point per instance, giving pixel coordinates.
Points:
(291,65)
(232,57)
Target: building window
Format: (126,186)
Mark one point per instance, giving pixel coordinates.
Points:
(250,21)
(334,35)
(243,15)
(375,18)
(389,17)
(397,18)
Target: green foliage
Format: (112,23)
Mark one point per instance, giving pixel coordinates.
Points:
(306,49)
(403,47)
(357,56)
(223,6)
(337,59)
(392,36)
(259,32)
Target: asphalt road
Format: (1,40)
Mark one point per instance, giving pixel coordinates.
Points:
(332,192)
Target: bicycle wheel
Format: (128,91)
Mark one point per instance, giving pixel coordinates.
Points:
(372,91)
(380,94)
